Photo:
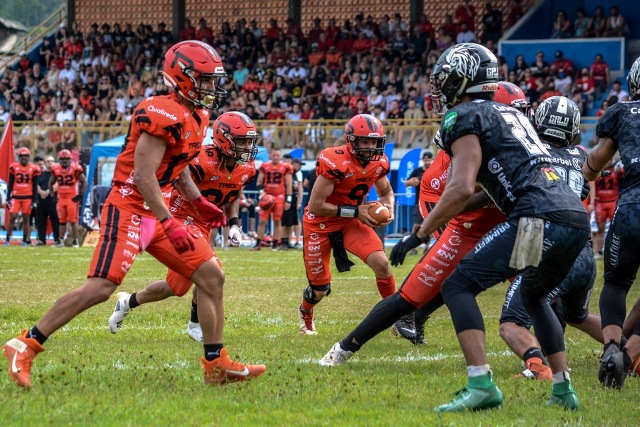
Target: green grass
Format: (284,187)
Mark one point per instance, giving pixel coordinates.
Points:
(148,373)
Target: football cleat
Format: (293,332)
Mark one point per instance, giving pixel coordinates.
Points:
(76,243)
(536,370)
(256,248)
(224,370)
(612,371)
(475,398)
(419,321)
(120,312)
(194,331)
(20,352)
(336,356)
(406,327)
(564,395)
(307,322)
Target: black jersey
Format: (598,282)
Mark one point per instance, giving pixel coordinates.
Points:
(516,170)
(621,123)
(568,162)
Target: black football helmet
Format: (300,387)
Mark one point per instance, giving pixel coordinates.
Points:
(633,79)
(462,68)
(558,118)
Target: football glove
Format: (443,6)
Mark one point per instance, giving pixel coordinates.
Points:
(401,248)
(77,198)
(178,235)
(8,204)
(208,211)
(235,235)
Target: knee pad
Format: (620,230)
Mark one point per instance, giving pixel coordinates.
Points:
(310,296)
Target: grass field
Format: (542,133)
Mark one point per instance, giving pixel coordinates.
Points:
(148,373)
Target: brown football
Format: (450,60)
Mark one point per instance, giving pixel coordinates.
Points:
(379,212)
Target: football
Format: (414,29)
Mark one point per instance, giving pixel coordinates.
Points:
(266,201)
(379,212)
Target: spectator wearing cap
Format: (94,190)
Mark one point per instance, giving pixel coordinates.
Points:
(297,71)
(414,181)
(67,75)
(290,220)
(561,63)
(87,101)
(315,57)
(25,63)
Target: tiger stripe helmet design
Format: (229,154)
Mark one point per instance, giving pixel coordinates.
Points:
(229,129)
(462,68)
(185,65)
(365,127)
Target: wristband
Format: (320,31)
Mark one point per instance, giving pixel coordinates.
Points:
(260,187)
(589,166)
(232,221)
(289,198)
(347,211)
(165,219)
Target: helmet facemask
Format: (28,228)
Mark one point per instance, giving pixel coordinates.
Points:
(243,155)
(365,153)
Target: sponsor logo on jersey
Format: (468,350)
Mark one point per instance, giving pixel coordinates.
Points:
(435,184)
(327,160)
(162,112)
(449,120)
(244,177)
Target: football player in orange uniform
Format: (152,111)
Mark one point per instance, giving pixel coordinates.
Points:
(220,172)
(21,193)
(165,134)
(274,178)
(337,217)
(607,193)
(68,174)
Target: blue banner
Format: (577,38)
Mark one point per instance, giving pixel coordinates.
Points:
(410,161)
(298,153)
(388,151)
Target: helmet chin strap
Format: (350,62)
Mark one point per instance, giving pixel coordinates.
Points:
(460,91)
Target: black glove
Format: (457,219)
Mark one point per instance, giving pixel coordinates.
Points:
(401,248)
(77,199)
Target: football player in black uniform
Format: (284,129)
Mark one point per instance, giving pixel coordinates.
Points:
(557,121)
(619,130)
(496,146)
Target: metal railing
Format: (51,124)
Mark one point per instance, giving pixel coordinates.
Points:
(33,37)
(50,137)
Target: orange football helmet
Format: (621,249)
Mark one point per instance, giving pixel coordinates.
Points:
(185,63)
(365,127)
(24,151)
(229,129)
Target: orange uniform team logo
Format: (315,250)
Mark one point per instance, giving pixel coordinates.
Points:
(274,177)
(67,179)
(166,118)
(214,181)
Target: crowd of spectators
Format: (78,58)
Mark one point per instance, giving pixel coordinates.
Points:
(583,25)
(295,83)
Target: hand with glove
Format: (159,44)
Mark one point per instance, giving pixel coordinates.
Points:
(8,204)
(209,212)
(178,235)
(235,235)
(77,198)
(401,248)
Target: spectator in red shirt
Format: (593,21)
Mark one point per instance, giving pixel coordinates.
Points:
(561,63)
(599,71)
(315,31)
(586,85)
(465,12)
(188,32)
(273,31)
(332,32)
(203,32)
(316,57)
(25,62)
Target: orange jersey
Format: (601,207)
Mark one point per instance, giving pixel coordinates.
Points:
(216,183)
(67,179)
(352,181)
(607,186)
(23,177)
(166,118)
(434,181)
(274,177)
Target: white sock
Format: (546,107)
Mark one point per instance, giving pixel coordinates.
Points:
(476,371)
(560,377)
